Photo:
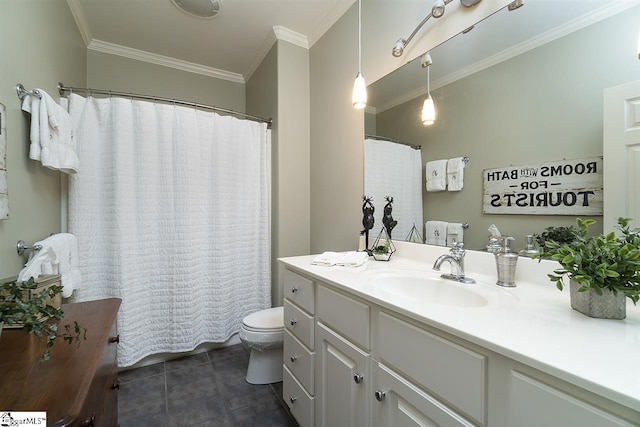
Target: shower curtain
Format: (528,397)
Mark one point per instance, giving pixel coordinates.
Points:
(395,170)
(171,208)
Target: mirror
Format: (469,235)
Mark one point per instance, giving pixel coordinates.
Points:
(522,87)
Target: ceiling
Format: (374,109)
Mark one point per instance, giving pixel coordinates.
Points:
(230,45)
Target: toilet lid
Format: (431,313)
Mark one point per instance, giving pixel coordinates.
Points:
(271,318)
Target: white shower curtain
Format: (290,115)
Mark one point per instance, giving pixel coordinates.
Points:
(395,170)
(171,208)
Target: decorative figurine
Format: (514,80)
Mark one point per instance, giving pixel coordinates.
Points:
(367,219)
(387,219)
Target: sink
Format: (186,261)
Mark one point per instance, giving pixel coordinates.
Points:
(426,288)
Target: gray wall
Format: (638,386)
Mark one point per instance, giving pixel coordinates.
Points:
(40,46)
(543,105)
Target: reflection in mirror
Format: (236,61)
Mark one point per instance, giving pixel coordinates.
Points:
(522,87)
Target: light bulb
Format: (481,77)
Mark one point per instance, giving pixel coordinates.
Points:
(359,97)
(438,9)
(428,111)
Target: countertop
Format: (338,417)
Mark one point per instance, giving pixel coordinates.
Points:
(532,323)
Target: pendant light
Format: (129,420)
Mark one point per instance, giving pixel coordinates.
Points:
(428,108)
(359,97)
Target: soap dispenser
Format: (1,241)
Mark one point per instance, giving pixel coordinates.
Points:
(506,263)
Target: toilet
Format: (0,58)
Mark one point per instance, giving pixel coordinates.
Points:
(263,333)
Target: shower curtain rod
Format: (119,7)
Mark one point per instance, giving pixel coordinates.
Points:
(384,138)
(62,89)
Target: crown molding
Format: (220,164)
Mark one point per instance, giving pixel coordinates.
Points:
(81,21)
(276,33)
(339,9)
(287,35)
(140,55)
(576,24)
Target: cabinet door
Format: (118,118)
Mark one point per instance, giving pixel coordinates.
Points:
(341,381)
(399,403)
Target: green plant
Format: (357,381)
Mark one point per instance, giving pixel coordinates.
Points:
(381,249)
(21,304)
(598,262)
(561,234)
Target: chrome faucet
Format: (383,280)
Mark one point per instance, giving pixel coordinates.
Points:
(455,258)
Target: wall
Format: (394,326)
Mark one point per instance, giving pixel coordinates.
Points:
(545,105)
(106,71)
(280,89)
(40,46)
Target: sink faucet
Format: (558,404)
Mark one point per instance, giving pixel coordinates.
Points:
(455,258)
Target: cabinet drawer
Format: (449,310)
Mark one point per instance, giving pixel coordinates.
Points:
(299,323)
(299,402)
(448,370)
(345,315)
(299,360)
(299,290)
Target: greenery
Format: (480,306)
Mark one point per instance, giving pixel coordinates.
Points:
(381,249)
(560,234)
(598,262)
(20,303)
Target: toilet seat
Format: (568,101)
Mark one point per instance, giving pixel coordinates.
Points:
(269,320)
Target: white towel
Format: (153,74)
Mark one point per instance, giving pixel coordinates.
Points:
(455,233)
(344,259)
(455,174)
(51,133)
(436,175)
(436,233)
(59,252)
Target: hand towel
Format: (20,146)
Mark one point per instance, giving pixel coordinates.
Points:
(455,174)
(34,266)
(455,233)
(436,175)
(344,259)
(31,104)
(436,233)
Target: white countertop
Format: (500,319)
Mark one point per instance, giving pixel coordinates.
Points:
(532,323)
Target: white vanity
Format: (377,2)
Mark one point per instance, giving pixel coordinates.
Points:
(391,344)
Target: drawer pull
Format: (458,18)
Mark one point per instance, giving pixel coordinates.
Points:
(294,358)
(294,290)
(293,399)
(116,385)
(293,322)
(115,339)
(358,378)
(380,395)
(89,422)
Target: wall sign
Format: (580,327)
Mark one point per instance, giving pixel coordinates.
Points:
(565,187)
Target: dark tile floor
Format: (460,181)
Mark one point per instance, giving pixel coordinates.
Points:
(206,389)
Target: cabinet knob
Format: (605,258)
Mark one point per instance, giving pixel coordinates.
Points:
(293,399)
(380,395)
(294,290)
(89,422)
(358,378)
(116,385)
(293,322)
(294,358)
(115,339)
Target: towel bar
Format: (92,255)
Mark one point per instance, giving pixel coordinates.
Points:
(22,92)
(21,247)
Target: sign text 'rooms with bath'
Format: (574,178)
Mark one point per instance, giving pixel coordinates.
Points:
(565,187)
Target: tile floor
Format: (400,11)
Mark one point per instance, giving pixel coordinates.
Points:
(206,389)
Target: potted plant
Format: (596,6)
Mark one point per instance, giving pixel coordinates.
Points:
(21,305)
(603,269)
(559,234)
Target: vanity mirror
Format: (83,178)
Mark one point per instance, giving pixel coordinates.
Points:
(522,87)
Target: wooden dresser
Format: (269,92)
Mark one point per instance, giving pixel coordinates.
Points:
(78,385)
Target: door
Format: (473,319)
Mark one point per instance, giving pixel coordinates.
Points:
(621,152)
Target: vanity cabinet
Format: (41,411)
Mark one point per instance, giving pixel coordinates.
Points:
(298,387)
(78,385)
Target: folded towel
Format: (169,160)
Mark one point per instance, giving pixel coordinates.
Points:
(455,174)
(436,175)
(59,252)
(51,133)
(436,233)
(345,259)
(455,233)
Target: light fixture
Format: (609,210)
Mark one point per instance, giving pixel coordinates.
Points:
(515,4)
(200,8)
(438,9)
(359,96)
(469,3)
(428,108)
